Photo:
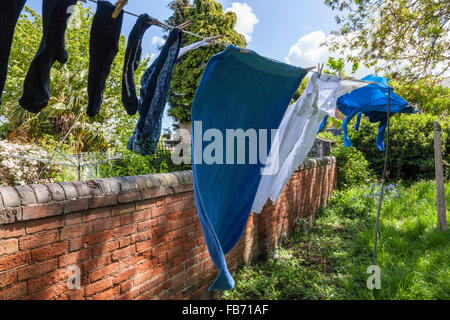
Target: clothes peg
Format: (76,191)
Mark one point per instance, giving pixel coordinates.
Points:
(185,25)
(119,6)
(320,69)
(309,69)
(155,22)
(214,39)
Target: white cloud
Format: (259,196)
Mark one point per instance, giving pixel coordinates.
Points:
(308,51)
(311,49)
(157,41)
(246,19)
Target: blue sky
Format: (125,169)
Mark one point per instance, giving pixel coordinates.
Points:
(287,30)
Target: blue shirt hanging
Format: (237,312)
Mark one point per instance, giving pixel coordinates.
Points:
(372,101)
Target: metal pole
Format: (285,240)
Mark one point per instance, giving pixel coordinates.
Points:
(79,166)
(440,187)
(374,258)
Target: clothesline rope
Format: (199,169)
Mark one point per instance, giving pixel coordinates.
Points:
(162,24)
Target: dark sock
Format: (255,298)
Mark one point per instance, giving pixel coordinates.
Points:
(9,14)
(132,57)
(36,88)
(103,47)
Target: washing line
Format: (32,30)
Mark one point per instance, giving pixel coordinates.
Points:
(164,25)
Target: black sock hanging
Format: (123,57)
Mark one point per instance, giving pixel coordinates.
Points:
(36,88)
(132,57)
(103,47)
(9,14)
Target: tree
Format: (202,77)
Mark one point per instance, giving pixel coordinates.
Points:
(68,89)
(208,20)
(410,37)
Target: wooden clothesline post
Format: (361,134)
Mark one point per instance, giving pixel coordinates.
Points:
(440,188)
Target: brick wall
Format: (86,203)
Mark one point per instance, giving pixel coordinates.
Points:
(133,237)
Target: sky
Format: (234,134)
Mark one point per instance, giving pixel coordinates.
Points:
(291,31)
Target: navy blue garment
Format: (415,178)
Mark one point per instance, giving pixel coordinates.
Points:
(9,14)
(103,47)
(239,89)
(131,63)
(372,101)
(155,89)
(36,87)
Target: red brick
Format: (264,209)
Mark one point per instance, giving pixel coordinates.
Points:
(38,240)
(126,219)
(99,286)
(123,209)
(146,225)
(75,231)
(129,197)
(34,226)
(42,211)
(125,275)
(160,231)
(98,237)
(8,246)
(96,214)
(141,236)
(124,231)
(37,269)
(49,293)
(173,198)
(17,260)
(123,253)
(102,272)
(6,278)
(144,277)
(147,265)
(125,241)
(12,230)
(145,245)
(76,205)
(126,286)
(48,252)
(141,215)
(47,280)
(96,263)
(159,211)
(108,294)
(73,295)
(105,248)
(76,244)
(105,224)
(103,201)
(73,218)
(74,257)
(13,292)
(130,295)
(146,204)
(159,202)
(125,263)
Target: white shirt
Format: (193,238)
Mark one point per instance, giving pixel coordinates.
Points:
(296,136)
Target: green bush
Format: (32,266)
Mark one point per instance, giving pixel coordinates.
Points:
(353,168)
(411,146)
(132,164)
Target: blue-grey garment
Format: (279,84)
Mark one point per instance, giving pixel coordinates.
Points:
(238,90)
(131,63)
(155,88)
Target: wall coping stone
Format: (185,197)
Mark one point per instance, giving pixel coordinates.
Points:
(37,201)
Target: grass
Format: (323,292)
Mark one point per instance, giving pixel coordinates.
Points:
(329,260)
